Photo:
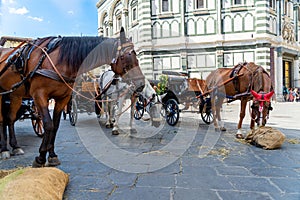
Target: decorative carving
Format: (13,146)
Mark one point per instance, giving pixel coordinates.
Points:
(288,31)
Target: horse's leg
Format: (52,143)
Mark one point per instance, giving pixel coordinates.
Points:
(15,105)
(58,108)
(132,101)
(111,113)
(3,133)
(239,133)
(42,106)
(115,130)
(213,108)
(108,106)
(252,122)
(219,104)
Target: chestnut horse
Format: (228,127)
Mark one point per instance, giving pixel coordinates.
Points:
(16,98)
(238,83)
(46,68)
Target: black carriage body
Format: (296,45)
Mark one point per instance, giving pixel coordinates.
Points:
(182,90)
(26,111)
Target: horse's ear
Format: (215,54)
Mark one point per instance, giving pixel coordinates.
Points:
(122,36)
(255,94)
(269,95)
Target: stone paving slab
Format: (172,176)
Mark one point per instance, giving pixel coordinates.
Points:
(212,167)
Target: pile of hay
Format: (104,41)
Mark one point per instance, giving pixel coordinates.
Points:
(33,183)
(266,137)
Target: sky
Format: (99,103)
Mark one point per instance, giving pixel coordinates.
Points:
(41,18)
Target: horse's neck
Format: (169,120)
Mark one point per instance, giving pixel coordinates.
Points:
(103,54)
(148,90)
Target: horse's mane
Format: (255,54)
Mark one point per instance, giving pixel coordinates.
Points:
(73,50)
(262,80)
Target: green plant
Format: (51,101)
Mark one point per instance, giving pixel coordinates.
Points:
(162,85)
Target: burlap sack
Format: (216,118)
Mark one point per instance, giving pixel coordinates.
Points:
(34,184)
(266,137)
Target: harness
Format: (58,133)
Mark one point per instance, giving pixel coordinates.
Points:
(234,74)
(19,60)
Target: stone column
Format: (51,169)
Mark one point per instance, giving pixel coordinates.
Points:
(278,75)
(220,58)
(110,25)
(296,72)
(126,19)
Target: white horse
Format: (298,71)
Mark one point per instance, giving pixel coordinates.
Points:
(113,94)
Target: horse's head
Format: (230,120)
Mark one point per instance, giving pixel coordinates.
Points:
(153,105)
(126,63)
(261,106)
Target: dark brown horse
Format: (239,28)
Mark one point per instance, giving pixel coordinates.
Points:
(46,68)
(236,84)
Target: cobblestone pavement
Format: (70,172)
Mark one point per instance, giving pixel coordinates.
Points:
(207,164)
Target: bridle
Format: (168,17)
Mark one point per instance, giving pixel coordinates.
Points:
(262,98)
(123,50)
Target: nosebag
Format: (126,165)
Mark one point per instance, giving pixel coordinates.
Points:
(266,137)
(33,183)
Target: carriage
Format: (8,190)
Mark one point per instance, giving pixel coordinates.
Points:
(27,111)
(82,99)
(182,94)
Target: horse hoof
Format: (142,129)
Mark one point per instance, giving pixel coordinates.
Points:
(239,136)
(18,151)
(52,162)
(35,164)
(222,129)
(5,155)
(107,126)
(217,129)
(115,132)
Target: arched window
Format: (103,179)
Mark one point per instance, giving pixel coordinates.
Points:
(118,20)
(156,30)
(134,11)
(191,27)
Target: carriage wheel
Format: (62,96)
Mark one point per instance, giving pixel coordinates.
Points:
(37,123)
(172,112)
(139,108)
(206,112)
(73,112)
